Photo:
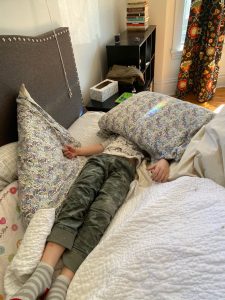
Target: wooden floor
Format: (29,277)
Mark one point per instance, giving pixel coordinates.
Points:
(218,99)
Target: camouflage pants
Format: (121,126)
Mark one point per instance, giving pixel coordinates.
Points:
(91,203)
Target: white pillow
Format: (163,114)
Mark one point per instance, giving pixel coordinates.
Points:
(11,228)
(85,128)
(30,251)
(8,164)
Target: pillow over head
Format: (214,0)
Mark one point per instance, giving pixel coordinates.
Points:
(44,174)
(8,164)
(161,125)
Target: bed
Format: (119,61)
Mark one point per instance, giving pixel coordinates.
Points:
(167,241)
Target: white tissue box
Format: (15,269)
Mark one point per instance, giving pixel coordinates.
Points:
(104,90)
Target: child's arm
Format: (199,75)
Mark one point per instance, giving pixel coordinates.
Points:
(70,151)
(160,170)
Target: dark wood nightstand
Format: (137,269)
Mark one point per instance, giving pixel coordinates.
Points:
(103,106)
(136,48)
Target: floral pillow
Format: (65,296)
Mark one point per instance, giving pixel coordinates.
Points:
(11,229)
(44,174)
(161,125)
(8,164)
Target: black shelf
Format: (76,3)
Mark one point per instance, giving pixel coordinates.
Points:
(136,48)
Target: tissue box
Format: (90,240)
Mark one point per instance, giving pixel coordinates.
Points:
(104,90)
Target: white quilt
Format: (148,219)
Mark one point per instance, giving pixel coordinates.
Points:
(167,242)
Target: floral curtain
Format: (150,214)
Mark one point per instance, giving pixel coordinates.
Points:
(202,49)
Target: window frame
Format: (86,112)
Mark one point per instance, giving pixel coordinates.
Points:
(177,46)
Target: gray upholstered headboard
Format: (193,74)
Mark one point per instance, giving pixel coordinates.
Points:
(35,61)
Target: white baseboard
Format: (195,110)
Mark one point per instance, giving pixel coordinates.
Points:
(168,87)
(221,80)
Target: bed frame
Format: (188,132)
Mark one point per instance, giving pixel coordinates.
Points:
(35,61)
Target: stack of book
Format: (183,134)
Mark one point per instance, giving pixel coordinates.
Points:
(137,14)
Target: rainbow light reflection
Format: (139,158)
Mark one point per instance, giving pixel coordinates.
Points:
(156,108)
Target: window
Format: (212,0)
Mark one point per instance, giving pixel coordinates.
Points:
(182,10)
(187,4)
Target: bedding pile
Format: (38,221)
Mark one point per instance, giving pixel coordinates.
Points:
(161,125)
(205,155)
(166,242)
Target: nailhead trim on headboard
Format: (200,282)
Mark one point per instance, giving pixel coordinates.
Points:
(35,61)
(29,39)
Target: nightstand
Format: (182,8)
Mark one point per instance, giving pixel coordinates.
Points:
(136,48)
(102,106)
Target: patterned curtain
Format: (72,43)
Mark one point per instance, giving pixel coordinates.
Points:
(202,49)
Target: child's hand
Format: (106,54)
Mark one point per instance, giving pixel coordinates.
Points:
(159,170)
(70,152)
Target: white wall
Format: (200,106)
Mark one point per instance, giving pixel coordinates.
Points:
(27,17)
(92,24)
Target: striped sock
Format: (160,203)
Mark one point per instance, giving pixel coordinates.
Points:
(37,284)
(59,288)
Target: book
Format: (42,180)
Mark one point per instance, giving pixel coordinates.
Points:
(136,19)
(143,28)
(134,15)
(138,5)
(137,2)
(139,27)
(137,9)
(123,97)
(137,24)
(140,2)
(137,14)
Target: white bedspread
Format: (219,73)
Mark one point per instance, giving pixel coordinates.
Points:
(166,242)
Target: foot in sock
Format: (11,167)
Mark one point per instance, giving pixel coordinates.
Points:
(59,288)
(37,284)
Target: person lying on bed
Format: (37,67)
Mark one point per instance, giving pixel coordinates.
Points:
(91,203)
